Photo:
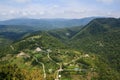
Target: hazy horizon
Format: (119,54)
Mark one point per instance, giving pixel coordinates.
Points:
(51,9)
(57,18)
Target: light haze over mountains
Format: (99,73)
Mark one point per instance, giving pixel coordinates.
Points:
(37,9)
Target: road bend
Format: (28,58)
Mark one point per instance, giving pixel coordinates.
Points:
(42,66)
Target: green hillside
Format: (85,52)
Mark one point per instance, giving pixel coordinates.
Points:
(10,33)
(65,34)
(87,53)
(101,36)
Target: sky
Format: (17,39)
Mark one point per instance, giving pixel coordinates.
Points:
(37,9)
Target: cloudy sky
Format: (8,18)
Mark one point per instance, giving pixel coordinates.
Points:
(58,8)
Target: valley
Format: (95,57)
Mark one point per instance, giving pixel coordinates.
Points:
(89,52)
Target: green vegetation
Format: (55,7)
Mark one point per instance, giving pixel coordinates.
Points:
(87,53)
(11,33)
(101,36)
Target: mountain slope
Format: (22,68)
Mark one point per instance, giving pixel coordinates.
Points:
(43,56)
(10,33)
(101,36)
(39,39)
(65,34)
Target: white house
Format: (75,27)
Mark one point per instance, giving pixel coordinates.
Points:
(38,49)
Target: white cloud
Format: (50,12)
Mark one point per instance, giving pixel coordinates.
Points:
(12,12)
(23,13)
(55,6)
(41,12)
(21,1)
(106,1)
(3,14)
(70,9)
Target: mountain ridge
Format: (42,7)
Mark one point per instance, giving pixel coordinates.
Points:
(46,24)
(100,36)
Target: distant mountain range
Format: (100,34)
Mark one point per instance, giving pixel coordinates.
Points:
(47,24)
(14,29)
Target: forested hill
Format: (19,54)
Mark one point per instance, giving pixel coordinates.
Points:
(98,29)
(101,36)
